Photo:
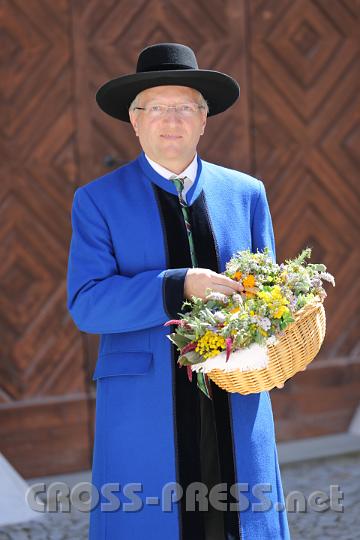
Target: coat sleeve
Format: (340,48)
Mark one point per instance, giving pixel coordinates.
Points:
(100,299)
(262,228)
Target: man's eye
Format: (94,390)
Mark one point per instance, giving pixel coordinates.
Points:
(156,108)
(186,108)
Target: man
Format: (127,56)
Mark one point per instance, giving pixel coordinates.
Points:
(144,241)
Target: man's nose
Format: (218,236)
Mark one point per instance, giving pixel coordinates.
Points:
(172,115)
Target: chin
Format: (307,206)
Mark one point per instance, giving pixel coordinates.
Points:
(171,150)
(172,144)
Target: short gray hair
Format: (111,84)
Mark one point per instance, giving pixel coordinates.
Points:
(203,102)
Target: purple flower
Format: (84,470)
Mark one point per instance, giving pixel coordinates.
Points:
(264,323)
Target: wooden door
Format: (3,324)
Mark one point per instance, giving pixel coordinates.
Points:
(107,43)
(43,405)
(304,98)
(294,127)
(56,54)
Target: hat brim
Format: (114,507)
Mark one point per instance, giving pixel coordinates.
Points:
(219,90)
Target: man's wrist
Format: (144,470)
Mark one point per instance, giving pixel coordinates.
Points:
(174,290)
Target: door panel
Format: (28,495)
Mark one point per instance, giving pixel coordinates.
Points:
(304,82)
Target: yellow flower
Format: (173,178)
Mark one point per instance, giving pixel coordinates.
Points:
(210,344)
(234,310)
(249,281)
(276,293)
(264,295)
(275,301)
(280,312)
(262,332)
(237,276)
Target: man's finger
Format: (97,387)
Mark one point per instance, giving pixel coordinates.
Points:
(224,290)
(227,282)
(224,280)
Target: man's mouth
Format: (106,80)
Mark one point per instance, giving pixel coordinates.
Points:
(170,137)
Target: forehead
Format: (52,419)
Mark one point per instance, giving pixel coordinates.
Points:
(169,93)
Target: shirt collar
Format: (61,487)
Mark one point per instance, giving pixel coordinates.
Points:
(153,176)
(190,171)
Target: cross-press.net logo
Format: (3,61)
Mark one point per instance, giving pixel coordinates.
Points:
(113,497)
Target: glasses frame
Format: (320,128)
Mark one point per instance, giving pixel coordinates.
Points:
(160,114)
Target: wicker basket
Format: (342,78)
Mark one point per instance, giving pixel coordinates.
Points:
(294,350)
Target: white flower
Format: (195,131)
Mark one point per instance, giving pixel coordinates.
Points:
(219,316)
(264,323)
(328,277)
(218,296)
(237,299)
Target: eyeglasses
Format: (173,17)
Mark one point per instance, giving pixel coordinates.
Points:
(185,110)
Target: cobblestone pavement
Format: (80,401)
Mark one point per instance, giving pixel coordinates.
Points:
(306,477)
(317,475)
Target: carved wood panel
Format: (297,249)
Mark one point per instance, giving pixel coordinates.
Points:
(107,43)
(43,405)
(294,126)
(305,129)
(55,138)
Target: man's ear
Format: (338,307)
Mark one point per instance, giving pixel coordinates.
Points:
(204,125)
(133,120)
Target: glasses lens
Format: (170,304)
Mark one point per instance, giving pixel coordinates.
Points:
(187,109)
(182,109)
(157,110)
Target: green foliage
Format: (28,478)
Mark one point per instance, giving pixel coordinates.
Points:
(265,308)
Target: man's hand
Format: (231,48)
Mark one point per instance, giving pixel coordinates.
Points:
(197,280)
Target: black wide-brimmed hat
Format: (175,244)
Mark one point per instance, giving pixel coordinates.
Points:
(167,64)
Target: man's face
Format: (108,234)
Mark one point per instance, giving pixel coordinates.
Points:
(170,139)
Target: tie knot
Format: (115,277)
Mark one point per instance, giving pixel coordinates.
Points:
(178,182)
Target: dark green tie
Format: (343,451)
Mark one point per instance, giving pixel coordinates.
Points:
(202,379)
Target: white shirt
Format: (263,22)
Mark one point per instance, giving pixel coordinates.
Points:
(189,173)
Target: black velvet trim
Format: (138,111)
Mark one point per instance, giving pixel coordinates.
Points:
(177,245)
(227,466)
(186,393)
(173,291)
(207,256)
(204,241)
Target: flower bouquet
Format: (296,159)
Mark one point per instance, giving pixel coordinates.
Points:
(257,339)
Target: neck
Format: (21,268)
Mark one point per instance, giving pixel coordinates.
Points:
(175,166)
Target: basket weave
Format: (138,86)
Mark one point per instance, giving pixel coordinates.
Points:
(295,349)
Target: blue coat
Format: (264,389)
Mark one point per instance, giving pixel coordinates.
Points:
(121,285)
